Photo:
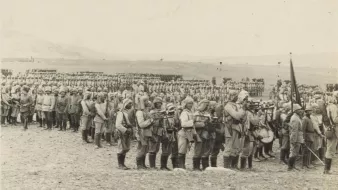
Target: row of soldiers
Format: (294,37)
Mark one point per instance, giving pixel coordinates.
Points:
(159,122)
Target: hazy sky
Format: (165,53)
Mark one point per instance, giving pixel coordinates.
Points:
(192,27)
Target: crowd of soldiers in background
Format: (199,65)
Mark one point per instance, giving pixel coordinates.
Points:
(173,116)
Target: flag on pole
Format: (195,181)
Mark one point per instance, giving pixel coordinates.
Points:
(294,89)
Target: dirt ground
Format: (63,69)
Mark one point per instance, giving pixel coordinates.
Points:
(39,159)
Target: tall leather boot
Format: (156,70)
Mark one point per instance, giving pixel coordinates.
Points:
(327,166)
(243,162)
(291,163)
(139,163)
(174,161)
(85,136)
(93,133)
(235,162)
(184,155)
(164,162)
(227,161)
(98,140)
(287,153)
(213,161)
(152,160)
(123,158)
(108,139)
(205,162)
(250,162)
(3,119)
(196,162)
(181,161)
(261,155)
(282,156)
(321,153)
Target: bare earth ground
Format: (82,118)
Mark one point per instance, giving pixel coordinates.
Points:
(37,159)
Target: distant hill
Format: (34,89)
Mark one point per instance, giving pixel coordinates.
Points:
(19,45)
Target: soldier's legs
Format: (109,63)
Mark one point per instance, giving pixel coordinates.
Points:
(25,119)
(166,151)
(48,116)
(85,121)
(54,118)
(108,134)
(154,146)
(182,148)
(294,151)
(247,149)
(214,153)
(98,133)
(72,121)
(174,153)
(123,148)
(285,149)
(207,148)
(142,149)
(330,152)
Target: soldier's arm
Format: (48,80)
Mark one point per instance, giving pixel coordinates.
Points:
(293,131)
(52,104)
(141,122)
(233,113)
(119,120)
(84,107)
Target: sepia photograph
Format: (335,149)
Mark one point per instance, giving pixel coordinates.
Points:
(169,94)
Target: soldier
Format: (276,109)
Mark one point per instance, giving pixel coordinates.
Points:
(15,99)
(61,109)
(296,135)
(308,132)
(73,108)
(331,132)
(185,135)
(202,147)
(25,103)
(54,112)
(48,106)
(100,118)
(144,122)
(285,119)
(88,113)
(5,104)
(125,133)
(157,131)
(234,114)
(110,128)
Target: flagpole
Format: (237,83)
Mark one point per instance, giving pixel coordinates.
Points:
(291,82)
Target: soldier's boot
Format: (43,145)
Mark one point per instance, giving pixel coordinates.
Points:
(139,163)
(327,166)
(164,162)
(250,162)
(283,156)
(152,160)
(291,162)
(3,119)
(84,136)
(213,161)
(287,153)
(184,156)
(93,133)
(120,159)
(144,162)
(181,161)
(108,139)
(235,162)
(321,153)
(174,162)
(40,122)
(304,161)
(227,161)
(205,162)
(98,140)
(196,162)
(14,121)
(65,126)
(243,163)
(123,161)
(61,127)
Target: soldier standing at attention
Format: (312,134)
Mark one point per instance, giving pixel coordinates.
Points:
(88,113)
(185,135)
(48,106)
(308,132)
(38,106)
(25,103)
(61,109)
(233,114)
(100,119)
(296,135)
(125,133)
(144,122)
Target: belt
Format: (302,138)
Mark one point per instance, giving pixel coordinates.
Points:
(46,105)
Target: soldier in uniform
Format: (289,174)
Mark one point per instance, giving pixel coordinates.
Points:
(25,103)
(61,109)
(308,132)
(5,104)
(15,103)
(38,106)
(125,131)
(234,114)
(331,132)
(296,135)
(73,108)
(144,122)
(48,106)
(100,118)
(185,135)
(88,113)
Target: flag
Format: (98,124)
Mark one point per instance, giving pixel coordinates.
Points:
(294,89)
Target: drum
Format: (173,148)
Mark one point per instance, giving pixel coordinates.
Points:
(264,135)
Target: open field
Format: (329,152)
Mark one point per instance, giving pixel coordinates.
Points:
(36,159)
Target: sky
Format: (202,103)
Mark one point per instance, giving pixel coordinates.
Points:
(180,27)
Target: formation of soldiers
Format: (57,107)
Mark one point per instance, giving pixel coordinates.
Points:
(175,117)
